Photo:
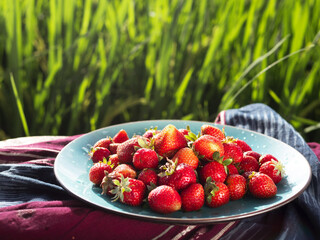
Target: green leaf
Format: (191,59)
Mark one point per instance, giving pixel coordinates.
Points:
(227,162)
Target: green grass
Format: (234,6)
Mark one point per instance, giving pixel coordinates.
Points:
(69,67)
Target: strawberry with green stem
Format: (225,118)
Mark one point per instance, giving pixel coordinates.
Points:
(98,154)
(178,176)
(98,171)
(261,185)
(206,146)
(217,170)
(216,193)
(274,169)
(129,191)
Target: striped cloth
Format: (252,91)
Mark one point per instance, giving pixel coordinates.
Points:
(34,206)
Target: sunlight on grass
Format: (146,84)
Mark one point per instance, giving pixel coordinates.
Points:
(79,65)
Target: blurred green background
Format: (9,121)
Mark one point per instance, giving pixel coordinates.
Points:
(72,66)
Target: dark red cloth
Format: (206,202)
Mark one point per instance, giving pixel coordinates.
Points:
(315,147)
(42,209)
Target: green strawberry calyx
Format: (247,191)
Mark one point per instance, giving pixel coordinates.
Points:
(120,187)
(168,168)
(279,167)
(210,189)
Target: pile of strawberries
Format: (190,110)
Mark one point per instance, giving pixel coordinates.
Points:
(173,169)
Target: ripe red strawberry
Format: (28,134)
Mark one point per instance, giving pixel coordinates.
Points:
(252,154)
(98,154)
(120,137)
(243,145)
(126,149)
(207,145)
(192,197)
(150,133)
(274,169)
(266,157)
(145,158)
(261,185)
(104,142)
(123,169)
(213,131)
(232,151)
(113,147)
(247,174)
(232,169)
(184,131)
(129,191)
(177,176)
(216,193)
(148,176)
(97,172)
(169,141)
(237,186)
(186,155)
(215,170)
(248,163)
(164,199)
(114,160)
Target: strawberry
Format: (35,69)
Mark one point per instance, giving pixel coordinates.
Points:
(237,186)
(261,185)
(247,174)
(123,169)
(126,149)
(97,154)
(248,163)
(184,131)
(113,147)
(97,172)
(178,176)
(186,155)
(252,154)
(169,141)
(207,145)
(164,199)
(145,158)
(148,176)
(192,197)
(216,193)
(217,170)
(213,131)
(120,137)
(104,142)
(266,157)
(150,133)
(243,145)
(130,191)
(114,160)
(274,169)
(232,169)
(232,151)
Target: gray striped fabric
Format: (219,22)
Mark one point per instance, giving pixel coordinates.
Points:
(299,219)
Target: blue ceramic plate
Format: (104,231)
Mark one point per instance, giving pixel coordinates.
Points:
(72,167)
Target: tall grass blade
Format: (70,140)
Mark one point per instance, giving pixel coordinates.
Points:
(19,106)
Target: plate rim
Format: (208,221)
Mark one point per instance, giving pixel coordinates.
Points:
(174,220)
